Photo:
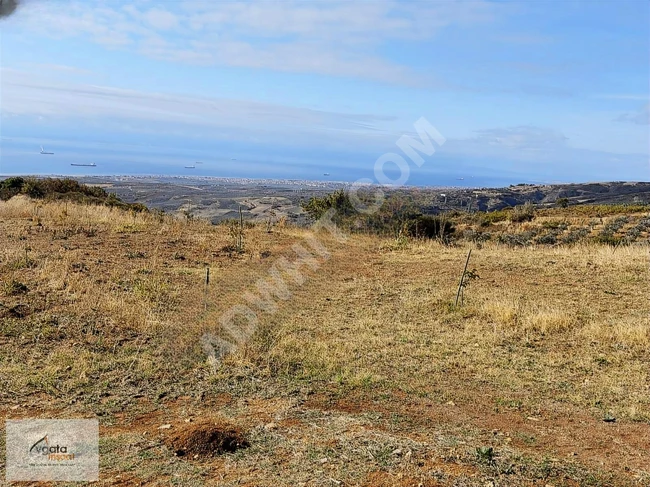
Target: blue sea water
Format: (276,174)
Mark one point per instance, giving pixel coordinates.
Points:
(21,156)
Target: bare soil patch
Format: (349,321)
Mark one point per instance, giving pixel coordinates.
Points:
(206,438)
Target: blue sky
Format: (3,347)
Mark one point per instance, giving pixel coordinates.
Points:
(541,90)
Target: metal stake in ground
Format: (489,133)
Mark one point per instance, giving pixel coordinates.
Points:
(462,278)
(207,283)
(241,230)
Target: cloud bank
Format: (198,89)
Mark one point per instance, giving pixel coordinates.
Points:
(338,38)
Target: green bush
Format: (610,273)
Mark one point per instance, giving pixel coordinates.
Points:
(547,239)
(488,218)
(562,202)
(12,183)
(514,240)
(33,189)
(316,207)
(10,187)
(575,236)
(524,213)
(609,239)
(426,226)
(66,188)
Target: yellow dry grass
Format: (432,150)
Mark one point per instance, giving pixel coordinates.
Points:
(116,306)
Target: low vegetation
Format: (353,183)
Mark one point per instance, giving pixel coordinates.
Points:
(62,189)
(366,374)
(401,214)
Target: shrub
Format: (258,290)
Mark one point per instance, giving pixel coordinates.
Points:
(10,187)
(67,189)
(33,189)
(488,218)
(426,226)
(548,239)
(555,225)
(524,213)
(562,202)
(316,207)
(609,239)
(12,183)
(575,236)
(476,237)
(514,240)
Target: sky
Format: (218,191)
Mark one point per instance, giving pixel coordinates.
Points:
(531,91)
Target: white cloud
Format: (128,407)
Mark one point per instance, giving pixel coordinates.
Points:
(338,38)
(523,150)
(30,94)
(523,138)
(529,150)
(160,19)
(61,68)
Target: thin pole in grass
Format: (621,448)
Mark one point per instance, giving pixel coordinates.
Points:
(207,283)
(241,230)
(462,278)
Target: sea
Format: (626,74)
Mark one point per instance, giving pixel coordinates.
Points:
(21,156)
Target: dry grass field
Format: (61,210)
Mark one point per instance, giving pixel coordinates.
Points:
(368,374)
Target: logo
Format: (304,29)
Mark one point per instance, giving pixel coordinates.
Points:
(54,452)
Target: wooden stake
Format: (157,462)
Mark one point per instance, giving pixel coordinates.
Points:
(462,278)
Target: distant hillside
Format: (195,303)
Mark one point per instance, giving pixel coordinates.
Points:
(218,200)
(591,193)
(491,199)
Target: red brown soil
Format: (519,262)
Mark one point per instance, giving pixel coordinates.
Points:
(207,438)
(567,433)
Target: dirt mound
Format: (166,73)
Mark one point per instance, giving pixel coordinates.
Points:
(206,438)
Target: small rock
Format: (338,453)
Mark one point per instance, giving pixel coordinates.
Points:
(450,403)
(323,460)
(397,452)
(188,420)
(165,427)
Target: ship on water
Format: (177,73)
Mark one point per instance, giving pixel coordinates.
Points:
(92,164)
